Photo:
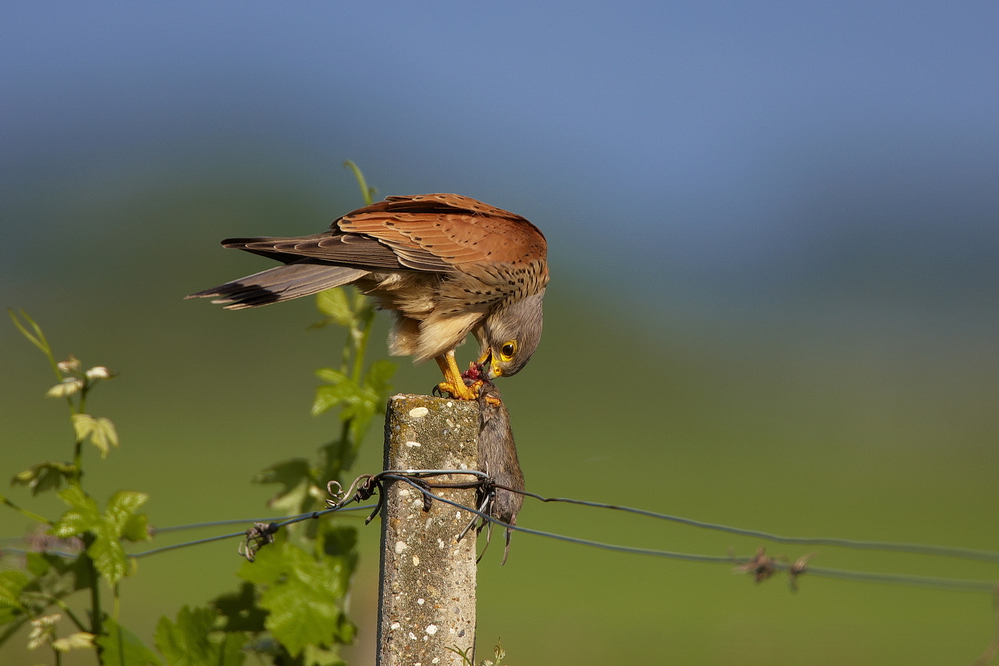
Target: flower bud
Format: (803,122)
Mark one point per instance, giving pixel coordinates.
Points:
(98,372)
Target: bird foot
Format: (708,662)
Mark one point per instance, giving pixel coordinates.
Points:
(475,380)
(463,392)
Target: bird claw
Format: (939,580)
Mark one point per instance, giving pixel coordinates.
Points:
(460,393)
(475,379)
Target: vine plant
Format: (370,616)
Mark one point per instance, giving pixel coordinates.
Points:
(289,608)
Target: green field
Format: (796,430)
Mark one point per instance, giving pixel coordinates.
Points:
(834,419)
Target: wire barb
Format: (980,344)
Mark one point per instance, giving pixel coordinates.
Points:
(760,565)
(257,537)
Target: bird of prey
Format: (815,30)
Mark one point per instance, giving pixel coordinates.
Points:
(498,459)
(445,264)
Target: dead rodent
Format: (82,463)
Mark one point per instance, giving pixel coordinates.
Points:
(498,459)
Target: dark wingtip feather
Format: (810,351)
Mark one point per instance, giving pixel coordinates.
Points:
(281,283)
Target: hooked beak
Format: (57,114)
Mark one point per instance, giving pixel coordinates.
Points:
(488,365)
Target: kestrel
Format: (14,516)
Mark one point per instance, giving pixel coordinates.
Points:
(445,264)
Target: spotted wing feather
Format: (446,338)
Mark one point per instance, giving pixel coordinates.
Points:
(452,229)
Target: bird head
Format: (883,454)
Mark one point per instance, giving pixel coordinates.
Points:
(509,335)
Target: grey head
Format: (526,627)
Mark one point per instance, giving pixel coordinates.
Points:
(509,336)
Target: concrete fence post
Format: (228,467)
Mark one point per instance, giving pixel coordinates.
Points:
(427,586)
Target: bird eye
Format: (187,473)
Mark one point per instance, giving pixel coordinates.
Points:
(508,350)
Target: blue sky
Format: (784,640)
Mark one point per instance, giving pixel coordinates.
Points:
(679,140)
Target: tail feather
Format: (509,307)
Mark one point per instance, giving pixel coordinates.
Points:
(281,283)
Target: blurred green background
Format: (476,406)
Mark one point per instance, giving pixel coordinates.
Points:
(773,245)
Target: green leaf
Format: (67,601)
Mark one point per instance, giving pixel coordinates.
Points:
(332,376)
(36,564)
(302,594)
(333,303)
(137,528)
(105,436)
(240,610)
(379,375)
(101,432)
(300,616)
(83,424)
(185,642)
(297,485)
(339,541)
(109,559)
(12,582)
(360,404)
(107,529)
(122,506)
(267,569)
(329,396)
(82,517)
(8,615)
(289,473)
(359,411)
(231,651)
(120,647)
(335,458)
(317,656)
(57,576)
(44,476)
(193,640)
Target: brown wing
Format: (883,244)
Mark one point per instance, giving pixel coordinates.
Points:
(427,232)
(334,247)
(447,230)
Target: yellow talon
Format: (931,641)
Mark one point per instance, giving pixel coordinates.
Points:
(463,393)
(453,383)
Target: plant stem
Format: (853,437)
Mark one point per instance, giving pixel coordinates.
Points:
(77,442)
(347,348)
(365,190)
(37,339)
(67,610)
(96,621)
(361,347)
(25,512)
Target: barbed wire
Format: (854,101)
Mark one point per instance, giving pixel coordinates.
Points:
(215,523)
(885,546)
(279,522)
(272,526)
(760,565)
(798,568)
(241,521)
